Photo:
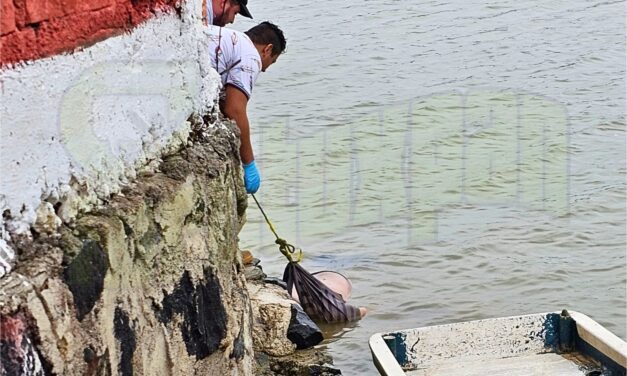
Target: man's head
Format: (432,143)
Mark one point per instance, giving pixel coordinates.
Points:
(269,41)
(224,11)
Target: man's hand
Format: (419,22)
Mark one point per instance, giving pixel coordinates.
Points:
(252,179)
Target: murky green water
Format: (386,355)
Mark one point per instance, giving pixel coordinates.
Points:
(457,160)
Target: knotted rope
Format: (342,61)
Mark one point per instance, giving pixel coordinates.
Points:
(285,248)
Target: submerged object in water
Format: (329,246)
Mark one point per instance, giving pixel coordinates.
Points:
(317,296)
(333,280)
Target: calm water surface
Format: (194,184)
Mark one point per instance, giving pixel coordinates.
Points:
(456,159)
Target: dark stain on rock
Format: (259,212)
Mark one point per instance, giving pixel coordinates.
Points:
(238,346)
(89,355)
(103,365)
(204,316)
(85,277)
(128,231)
(96,365)
(157,188)
(198,213)
(180,301)
(126,337)
(242,204)
(57,207)
(152,237)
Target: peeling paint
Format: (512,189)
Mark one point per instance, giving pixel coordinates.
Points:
(550,331)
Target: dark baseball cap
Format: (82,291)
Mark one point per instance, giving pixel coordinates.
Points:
(243,10)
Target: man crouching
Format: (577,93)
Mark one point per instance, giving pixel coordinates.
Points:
(239,57)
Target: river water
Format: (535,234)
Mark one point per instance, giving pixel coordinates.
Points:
(456,159)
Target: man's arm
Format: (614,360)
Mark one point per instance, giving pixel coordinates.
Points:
(235,109)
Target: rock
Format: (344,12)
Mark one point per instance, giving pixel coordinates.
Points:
(323,370)
(254,273)
(272,314)
(303,332)
(310,362)
(150,282)
(47,221)
(276,281)
(280,326)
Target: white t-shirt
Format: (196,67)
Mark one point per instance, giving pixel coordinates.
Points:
(238,61)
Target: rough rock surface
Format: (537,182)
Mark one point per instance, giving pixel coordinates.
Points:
(151,284)
(272,311)
(302,330)
(311,362)
(281,332)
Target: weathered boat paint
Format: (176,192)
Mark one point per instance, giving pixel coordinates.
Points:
(548,343)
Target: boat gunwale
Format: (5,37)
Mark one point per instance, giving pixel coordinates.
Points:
(588,330)
(600,339)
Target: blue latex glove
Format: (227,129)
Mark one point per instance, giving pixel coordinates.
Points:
(252,179)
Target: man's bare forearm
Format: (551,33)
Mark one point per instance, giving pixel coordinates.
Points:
(246,147)
(235,105)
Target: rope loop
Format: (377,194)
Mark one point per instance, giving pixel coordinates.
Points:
(285,248)
(288,250)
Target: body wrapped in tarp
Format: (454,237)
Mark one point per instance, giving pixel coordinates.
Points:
(320,302)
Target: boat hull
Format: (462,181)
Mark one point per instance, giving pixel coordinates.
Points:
(539,344)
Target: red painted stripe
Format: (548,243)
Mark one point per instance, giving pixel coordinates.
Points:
(33,29)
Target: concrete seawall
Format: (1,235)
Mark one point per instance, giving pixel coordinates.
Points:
(121,195)
(150,284)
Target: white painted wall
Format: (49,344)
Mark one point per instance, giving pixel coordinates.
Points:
(76,127)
